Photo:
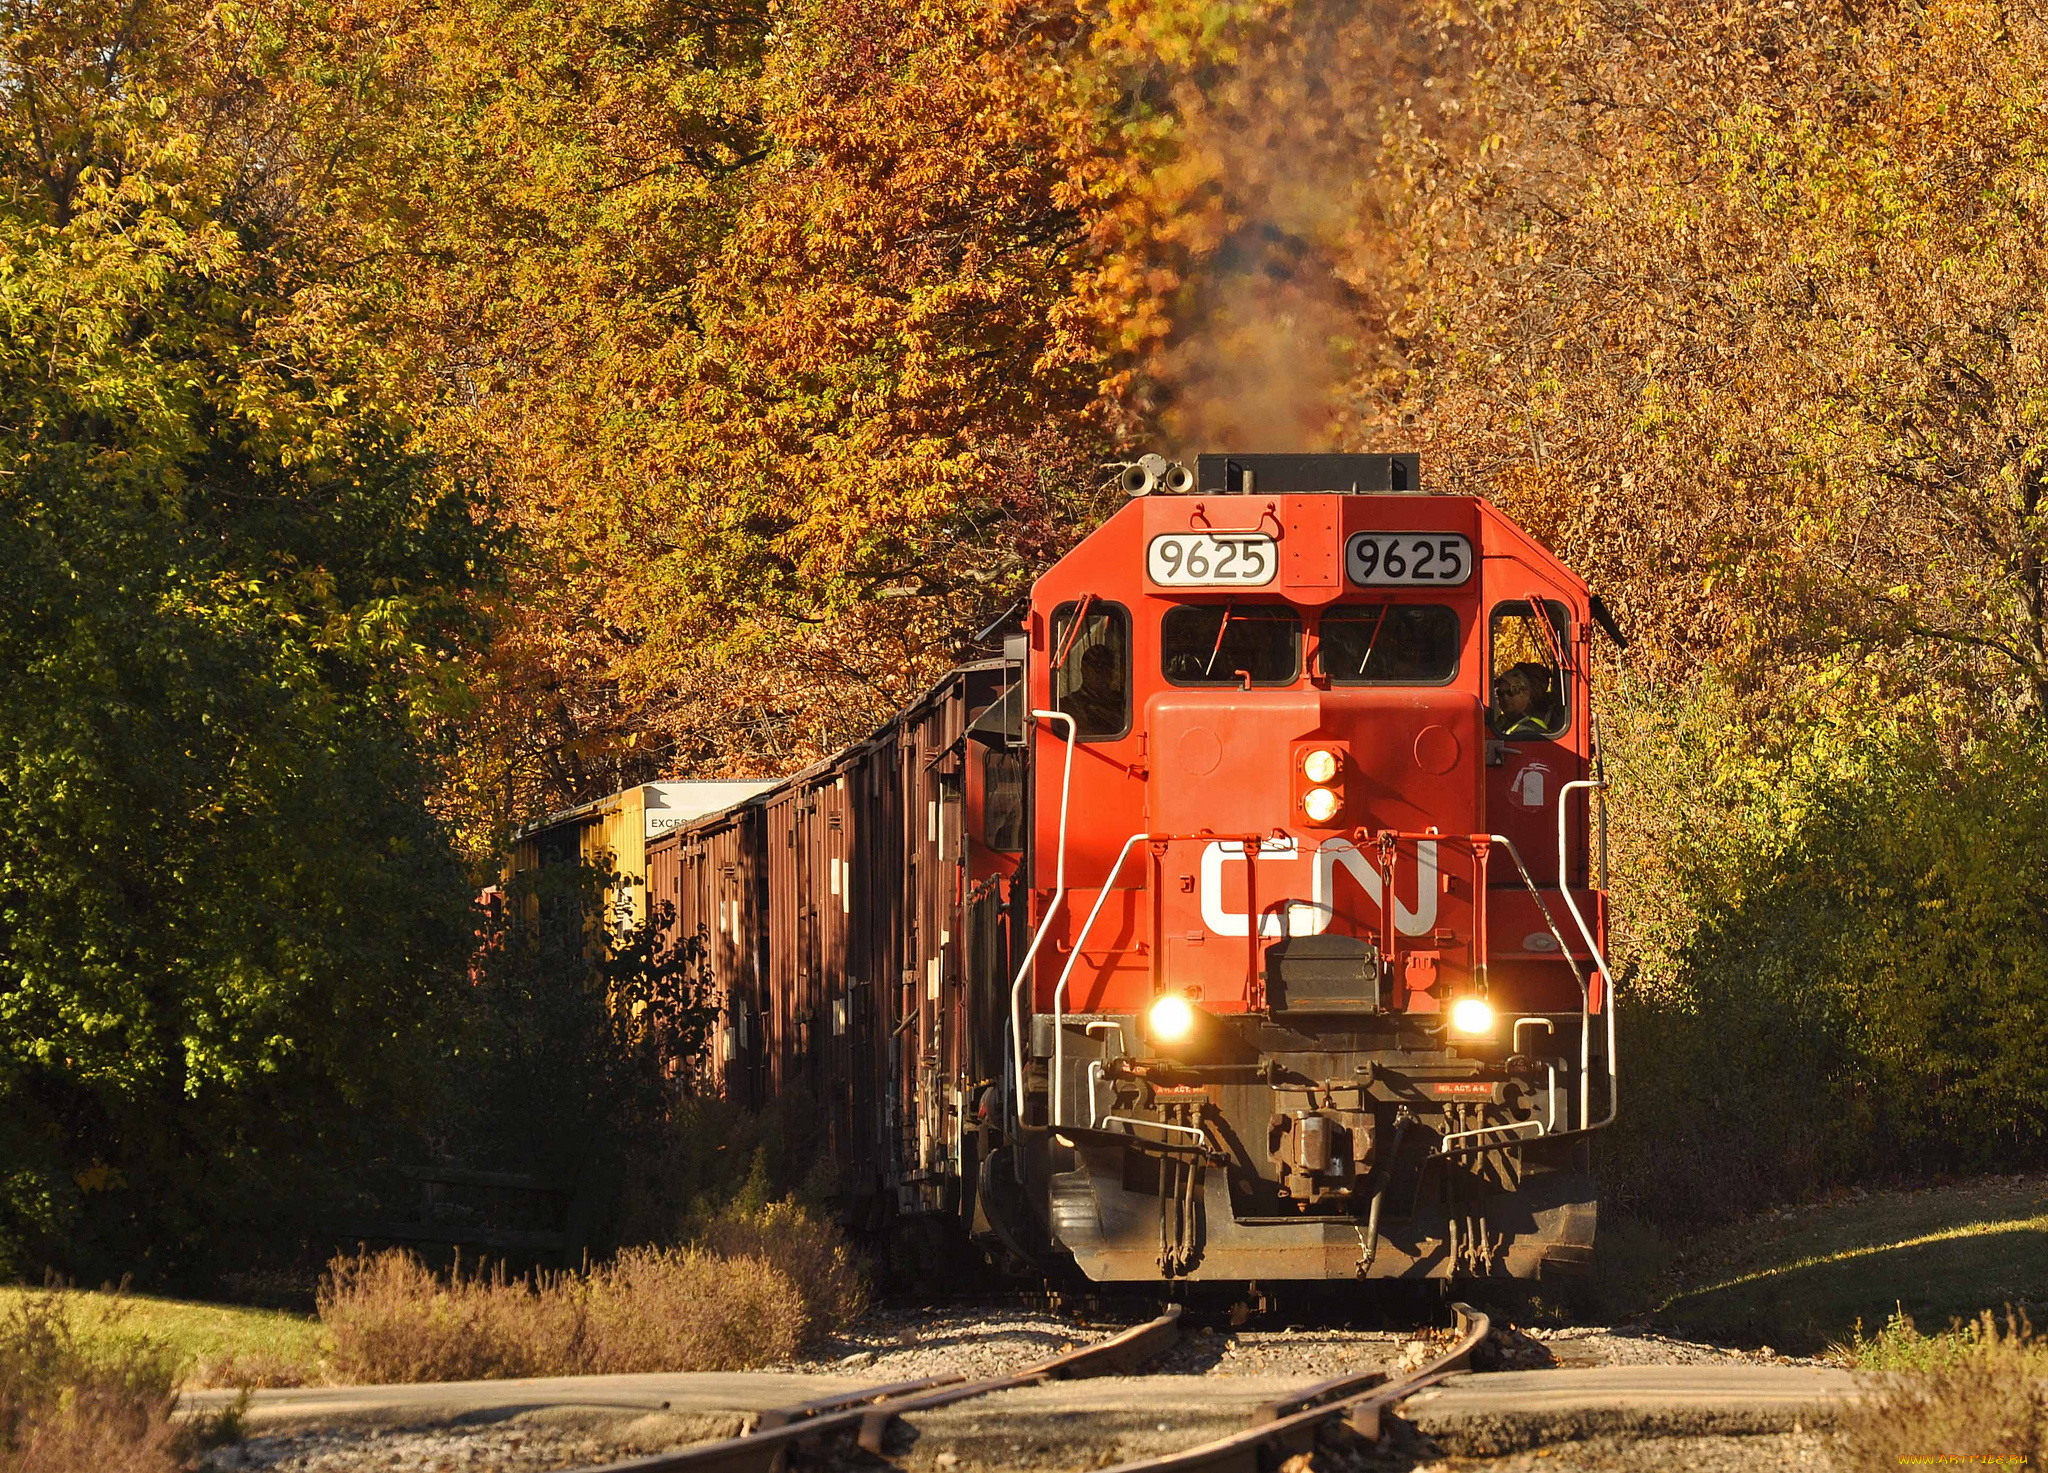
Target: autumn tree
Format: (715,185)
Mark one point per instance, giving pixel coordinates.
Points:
(1741,306)
(797,349)
(236,599)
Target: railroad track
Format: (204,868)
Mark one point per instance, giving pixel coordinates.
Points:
(868,1412)
(1282,1427)
(1292,1423)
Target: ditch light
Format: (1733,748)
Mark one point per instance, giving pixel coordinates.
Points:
(1471,1015)
(1171,1018)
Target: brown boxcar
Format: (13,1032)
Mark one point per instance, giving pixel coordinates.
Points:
(857,953)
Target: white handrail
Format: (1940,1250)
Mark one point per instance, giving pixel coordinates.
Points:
(1059,894)
(1059,991)
(1195,1131)
(1607,977)
(1097,1122)
(1585,1016)
(1585,994)
(1508,1129)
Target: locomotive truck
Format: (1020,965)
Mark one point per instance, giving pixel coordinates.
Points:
(1243,920)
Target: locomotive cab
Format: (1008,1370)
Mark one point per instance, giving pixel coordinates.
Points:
(1308,971)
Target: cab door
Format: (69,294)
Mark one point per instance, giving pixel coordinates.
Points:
(1536,640)
(1534,686)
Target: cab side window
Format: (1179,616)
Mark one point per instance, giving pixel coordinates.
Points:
(1091,668)
(1531,693)
(1002,799)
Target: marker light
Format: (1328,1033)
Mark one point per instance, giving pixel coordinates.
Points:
(1319,766)
(1471,1015)
(1171,1018)
(1320,804)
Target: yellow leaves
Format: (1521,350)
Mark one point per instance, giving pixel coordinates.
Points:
(100,1177)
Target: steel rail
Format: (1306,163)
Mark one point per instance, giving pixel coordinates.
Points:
(869,1411)
(1290,1425)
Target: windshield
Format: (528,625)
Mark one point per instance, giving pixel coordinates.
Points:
(1222,644)
(1390,644)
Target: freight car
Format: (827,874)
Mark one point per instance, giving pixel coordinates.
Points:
(1242,921)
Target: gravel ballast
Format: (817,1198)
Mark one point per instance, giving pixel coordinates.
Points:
(907,1341)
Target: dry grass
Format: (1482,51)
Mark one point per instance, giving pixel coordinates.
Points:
(392,1319)
(681,1309)
(65,1410)
(1975,1395)
(811,1253)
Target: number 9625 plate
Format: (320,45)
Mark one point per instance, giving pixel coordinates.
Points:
(1407,559)
(1211,560)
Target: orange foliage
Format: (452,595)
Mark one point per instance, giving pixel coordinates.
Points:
(795,339)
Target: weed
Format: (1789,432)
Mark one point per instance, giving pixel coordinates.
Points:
(219,1427)
(1899,1345)
(1974,1394)
(394,1319)
(680,1308)
(674,1309)
(63,1410)
(810,1252)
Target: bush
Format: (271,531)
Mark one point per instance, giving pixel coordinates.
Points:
(1833,916)
(393,1319)
(1973,1396)
(64,1411)
(683,1309)
(711,1154)
(812,1254)
(568,1053)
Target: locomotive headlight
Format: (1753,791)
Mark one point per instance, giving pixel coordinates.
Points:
(1319,766)
(1471,1015)
(1170,1018)
(1320,804)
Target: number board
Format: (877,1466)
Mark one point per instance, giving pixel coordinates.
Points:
(1407,559)
(1211,560)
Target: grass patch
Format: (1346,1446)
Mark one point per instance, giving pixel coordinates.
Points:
(1900,1347)
(67,1408)
(1803,1280)
(1974,1394)
(207,1344)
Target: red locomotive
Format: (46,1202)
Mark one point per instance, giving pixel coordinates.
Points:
(1242,922)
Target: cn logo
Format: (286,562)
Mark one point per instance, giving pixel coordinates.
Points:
(1531,786)
(1312,917)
